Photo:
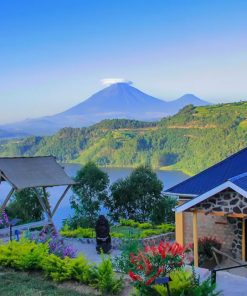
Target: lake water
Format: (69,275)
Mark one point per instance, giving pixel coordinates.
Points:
(169,178)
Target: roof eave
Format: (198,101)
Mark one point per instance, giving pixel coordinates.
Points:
(180,194)
(210,193)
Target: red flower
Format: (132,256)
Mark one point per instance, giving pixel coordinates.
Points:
(134,276)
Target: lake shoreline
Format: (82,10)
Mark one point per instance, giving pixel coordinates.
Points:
(162,168)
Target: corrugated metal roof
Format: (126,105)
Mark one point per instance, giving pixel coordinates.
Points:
(240,181)
(28,172)
(212,177)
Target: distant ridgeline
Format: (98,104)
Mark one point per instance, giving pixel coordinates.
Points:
(191,140)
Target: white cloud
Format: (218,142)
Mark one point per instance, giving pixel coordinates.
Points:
(109,81)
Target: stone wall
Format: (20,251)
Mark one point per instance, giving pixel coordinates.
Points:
(227,230)
(226,201)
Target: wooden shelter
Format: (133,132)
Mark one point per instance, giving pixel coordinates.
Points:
(214,203)
(34,172)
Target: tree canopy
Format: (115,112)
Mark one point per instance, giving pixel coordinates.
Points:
(88,194)
(135,196)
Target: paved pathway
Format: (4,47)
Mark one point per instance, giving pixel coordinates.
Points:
(89,250)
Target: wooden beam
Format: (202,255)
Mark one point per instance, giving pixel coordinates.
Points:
(243,240)
(47,201)
(42,203)
(3,206)
(60,200)
(222,214)
(195,239)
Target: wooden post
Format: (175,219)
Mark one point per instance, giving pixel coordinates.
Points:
(60,200)
(195,239)
(179,218)
(3,206)
(243,241)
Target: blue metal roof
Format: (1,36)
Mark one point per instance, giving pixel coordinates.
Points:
(240,181)
(217,174)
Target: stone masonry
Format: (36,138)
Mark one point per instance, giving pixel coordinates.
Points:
(227,230)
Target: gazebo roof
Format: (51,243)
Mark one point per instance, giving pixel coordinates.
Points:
(30,172)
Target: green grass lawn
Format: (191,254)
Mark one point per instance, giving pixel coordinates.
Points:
(26,284)
(127,231)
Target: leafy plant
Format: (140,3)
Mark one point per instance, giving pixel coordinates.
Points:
(205,245)
(122,262)
(79,232)
(128,222)
(106,280)
(154,262)
(24,255)
(145,225)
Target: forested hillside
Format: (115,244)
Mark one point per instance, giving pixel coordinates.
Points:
(191,140)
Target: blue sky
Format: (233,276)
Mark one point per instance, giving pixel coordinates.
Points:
(53,53)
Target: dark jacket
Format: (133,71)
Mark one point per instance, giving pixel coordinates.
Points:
(102,227)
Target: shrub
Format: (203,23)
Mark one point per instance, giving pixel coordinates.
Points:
(180,280)
(186,283)
(79,232)
(117,235)
(23,255)
(106,280)
(122,262)
(145,225)
(57,268)
(166,227)
(56,244)
(129,222)
(81,269)
(154,262)
(150,232)
(205,245)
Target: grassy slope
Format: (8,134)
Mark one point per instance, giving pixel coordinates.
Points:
(20,283)
(192,140)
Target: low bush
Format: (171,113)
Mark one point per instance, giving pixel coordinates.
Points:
(145,225)
(117,235)
(186,283)
(154,262)
(166,227)
(29,255)
(129,222)
(106,280)
(79,232)
(150,232)
(205,245)
(24,255)
(122,262)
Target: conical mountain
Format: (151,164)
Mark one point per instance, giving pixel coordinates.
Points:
(119,100)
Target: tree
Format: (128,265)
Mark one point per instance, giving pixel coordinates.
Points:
(25,205)
(135,196)
(163,210)
(88,194)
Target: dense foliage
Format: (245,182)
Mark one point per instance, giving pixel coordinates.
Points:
(205,245)
(135,196)
(25,205)
(90,190)
(126,229)
(29,256)
(184,141)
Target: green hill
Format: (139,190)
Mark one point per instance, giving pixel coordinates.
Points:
(191,140)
